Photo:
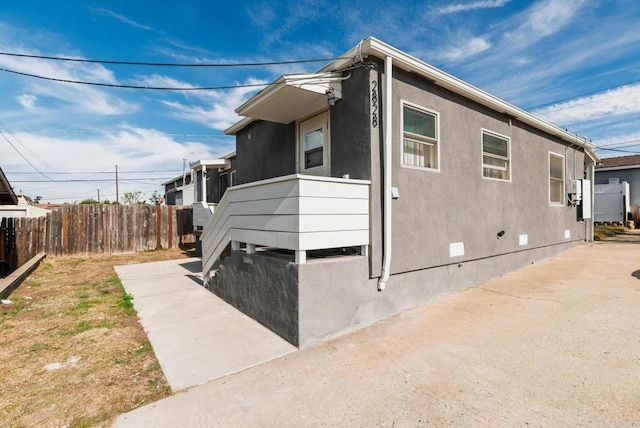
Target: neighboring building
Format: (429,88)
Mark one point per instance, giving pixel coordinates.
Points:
(616,171)
(203,195)
(7,196)
(179,190)
(379,183)
(12,205)
(212,178)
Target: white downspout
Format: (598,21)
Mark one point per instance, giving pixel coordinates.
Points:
(386,171)
(589,222)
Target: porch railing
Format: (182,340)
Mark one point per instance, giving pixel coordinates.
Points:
(294,212)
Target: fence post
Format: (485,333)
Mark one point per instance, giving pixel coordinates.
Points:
(158,227)
(4,237)
(170,220)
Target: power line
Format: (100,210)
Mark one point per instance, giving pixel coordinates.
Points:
(99,132)
(16,138)
(163,88)
(581,96)
(21,155)
(622,143)
(172,64)
(155,88)
(618,150)
(97,180)
(100,172)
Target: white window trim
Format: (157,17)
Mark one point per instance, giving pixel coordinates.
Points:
(299,168)
(564,173)
(438,140)
(509,157)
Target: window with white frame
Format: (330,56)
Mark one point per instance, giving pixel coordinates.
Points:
(556,179)
(419,137)
(496,156)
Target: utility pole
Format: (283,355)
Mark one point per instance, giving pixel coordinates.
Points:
(117,194)
(98,195)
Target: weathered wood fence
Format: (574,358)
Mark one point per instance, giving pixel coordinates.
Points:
(95,228)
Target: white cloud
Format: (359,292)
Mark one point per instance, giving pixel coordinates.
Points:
(85,99)
(81,98)
(120,18)
(464,7)
(288,18)
(28,102)
(542,20)
(552,15)
(623,100)
(159,81)
(468,48)
(132,148)
(217,112)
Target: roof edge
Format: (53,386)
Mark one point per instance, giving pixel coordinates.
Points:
(377,48)
(5,183)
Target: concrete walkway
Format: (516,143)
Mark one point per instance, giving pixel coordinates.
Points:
(554,344)
(196,336)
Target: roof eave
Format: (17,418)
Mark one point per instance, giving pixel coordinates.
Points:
(4,183)
(375,47)
(372,46)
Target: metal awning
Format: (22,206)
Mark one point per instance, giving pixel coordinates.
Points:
(293,97)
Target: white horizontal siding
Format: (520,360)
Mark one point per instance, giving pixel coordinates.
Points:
(294,212)
(301,206)
(300,223)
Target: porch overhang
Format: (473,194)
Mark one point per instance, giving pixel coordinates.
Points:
(293,97)
(209,163)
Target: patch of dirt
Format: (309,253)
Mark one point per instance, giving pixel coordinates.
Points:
(72,352)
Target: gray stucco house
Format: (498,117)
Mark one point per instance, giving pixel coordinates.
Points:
(380,182)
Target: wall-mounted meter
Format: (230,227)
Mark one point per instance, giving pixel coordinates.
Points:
(574,191)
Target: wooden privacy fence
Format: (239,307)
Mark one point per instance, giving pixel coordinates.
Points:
(96,228)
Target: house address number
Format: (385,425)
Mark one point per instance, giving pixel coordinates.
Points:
(374,103)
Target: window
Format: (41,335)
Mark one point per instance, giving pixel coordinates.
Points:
(313,145)
(556,179)
(496,156)
(419,137)
(313,148)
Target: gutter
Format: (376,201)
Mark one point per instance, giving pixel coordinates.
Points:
(386,172)
(379,49)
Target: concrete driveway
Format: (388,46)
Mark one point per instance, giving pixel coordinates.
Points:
(554,344)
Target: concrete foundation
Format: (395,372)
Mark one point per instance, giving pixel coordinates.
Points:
(265,288)
(321,299)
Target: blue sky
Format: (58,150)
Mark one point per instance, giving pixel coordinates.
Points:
(575,63)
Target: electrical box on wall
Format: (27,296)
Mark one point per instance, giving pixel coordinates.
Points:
(574,190)
(584,209)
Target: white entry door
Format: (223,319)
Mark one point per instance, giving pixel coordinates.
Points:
(313,145)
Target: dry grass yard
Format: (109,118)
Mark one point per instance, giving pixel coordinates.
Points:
(72,352)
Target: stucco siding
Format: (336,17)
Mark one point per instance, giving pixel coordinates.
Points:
(264,288)
(265,150)
(456,204)
(335,297)
(350,131)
